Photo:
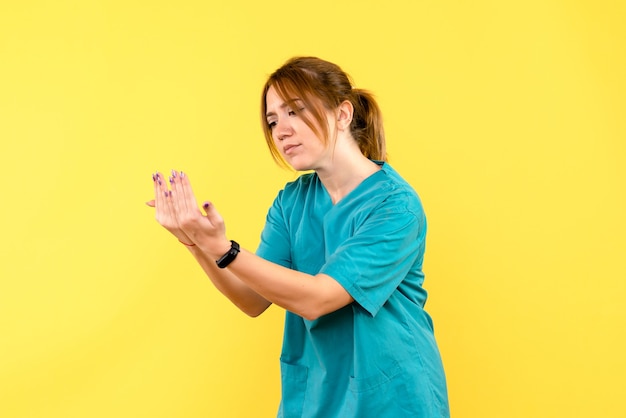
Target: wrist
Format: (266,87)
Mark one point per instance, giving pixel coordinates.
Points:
(213,249)
(229,256)
(222,249)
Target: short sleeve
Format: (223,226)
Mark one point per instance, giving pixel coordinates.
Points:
(275,243)
(383,250)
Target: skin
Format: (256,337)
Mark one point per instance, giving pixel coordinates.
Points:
(251,282)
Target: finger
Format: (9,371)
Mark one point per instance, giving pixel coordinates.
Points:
(212,214)
(187,196)
(158,198)
(184,194)
(150,203)
(158,195)
(177,197)
(163,202)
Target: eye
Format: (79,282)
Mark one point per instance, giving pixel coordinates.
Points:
(295,112)
(271,124)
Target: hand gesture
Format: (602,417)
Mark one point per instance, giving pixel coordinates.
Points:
(177,211)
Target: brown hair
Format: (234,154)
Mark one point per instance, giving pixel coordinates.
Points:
(322,85)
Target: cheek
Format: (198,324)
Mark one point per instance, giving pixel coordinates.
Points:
(276,144)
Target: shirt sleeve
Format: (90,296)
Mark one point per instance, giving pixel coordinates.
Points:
(275,244)
(388,245)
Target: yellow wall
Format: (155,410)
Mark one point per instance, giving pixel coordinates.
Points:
(508,118)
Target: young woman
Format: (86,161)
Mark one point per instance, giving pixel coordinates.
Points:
(341,251)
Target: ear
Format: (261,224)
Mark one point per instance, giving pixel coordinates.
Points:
(344,115)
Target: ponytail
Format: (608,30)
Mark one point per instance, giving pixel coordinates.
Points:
(367,125)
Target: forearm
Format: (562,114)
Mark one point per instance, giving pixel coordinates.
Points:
(242,295)
(304,294)
(250,282)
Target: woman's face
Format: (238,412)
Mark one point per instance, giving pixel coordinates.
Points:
(297,143)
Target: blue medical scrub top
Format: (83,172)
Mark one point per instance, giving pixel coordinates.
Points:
(376,357)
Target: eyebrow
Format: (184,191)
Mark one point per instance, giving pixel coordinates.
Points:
(284,105)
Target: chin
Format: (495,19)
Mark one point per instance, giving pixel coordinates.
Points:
(301,168)
(300,165)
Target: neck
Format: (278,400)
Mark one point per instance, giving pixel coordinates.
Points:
(344,174)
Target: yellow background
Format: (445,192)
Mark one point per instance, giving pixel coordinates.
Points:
(507,117)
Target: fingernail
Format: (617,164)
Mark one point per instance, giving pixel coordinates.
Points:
(182,174)
(165,193)
(170,193)
(153,178)
(173,173)
(171,180)
(159,181)
(206,205)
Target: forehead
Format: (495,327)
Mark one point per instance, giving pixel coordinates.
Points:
(274,102)
(272,99)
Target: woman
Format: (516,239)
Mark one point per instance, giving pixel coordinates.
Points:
(341,251)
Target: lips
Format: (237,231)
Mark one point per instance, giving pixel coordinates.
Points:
(288,149)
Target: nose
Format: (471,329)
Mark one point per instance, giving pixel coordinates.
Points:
(282,129)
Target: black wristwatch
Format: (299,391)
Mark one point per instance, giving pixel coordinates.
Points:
(228,258)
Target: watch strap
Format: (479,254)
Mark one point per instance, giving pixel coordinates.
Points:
(230,255)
